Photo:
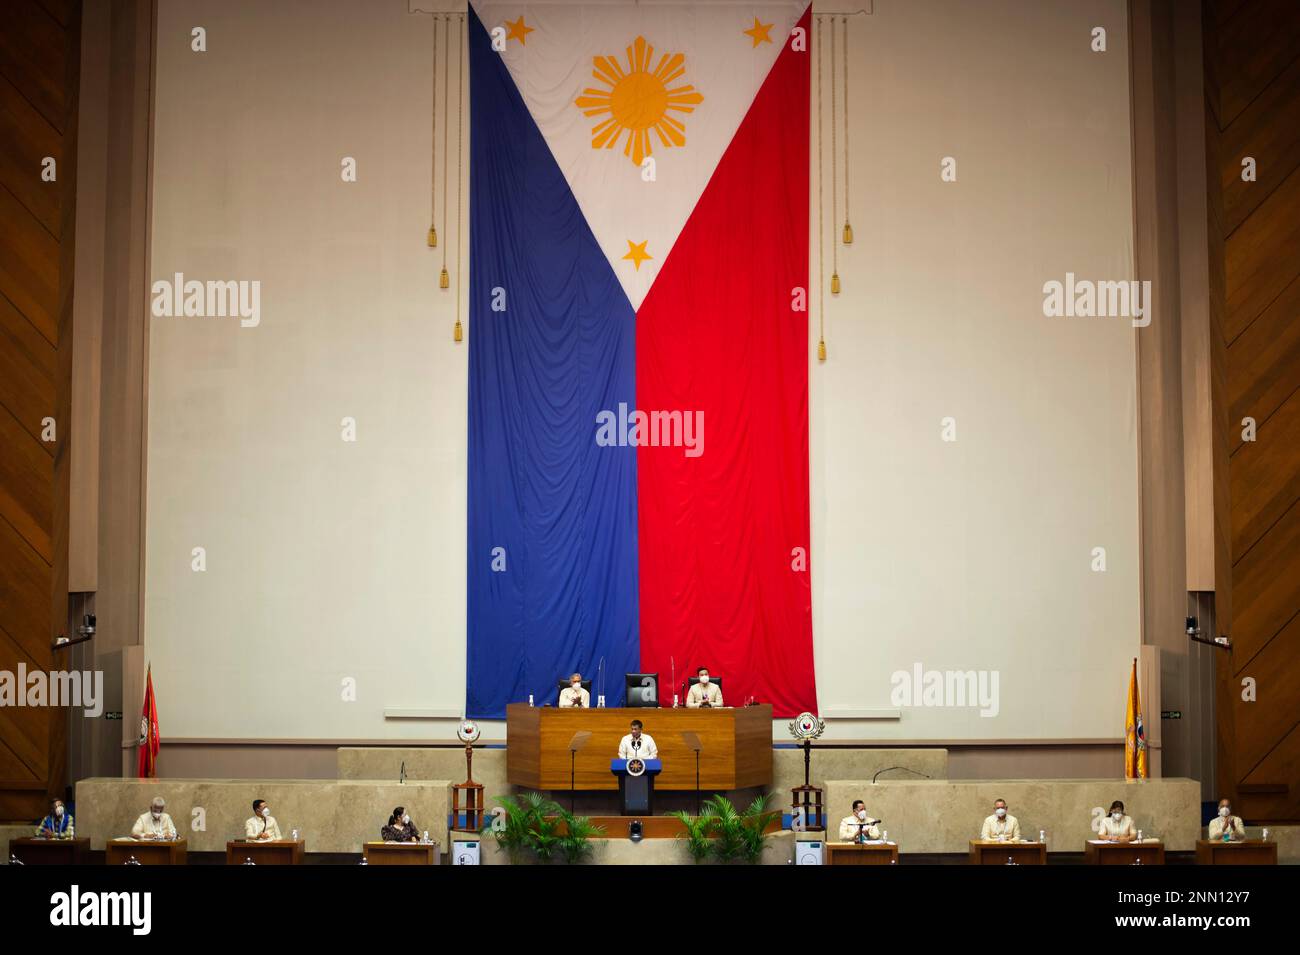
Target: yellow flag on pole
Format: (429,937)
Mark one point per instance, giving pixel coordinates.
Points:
(1135,737)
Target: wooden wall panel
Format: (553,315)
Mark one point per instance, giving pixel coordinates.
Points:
(1264,363)
(39,56)
(1252,51)
(1261,255)
(1268,131)
(1255,42)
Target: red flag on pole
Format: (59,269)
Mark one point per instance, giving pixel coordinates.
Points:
(149,732)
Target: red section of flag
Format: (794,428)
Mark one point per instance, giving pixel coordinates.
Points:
(148,767)
(724,536)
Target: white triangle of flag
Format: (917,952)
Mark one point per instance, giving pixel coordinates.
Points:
(677,72)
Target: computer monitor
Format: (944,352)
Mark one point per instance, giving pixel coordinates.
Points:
(642,689)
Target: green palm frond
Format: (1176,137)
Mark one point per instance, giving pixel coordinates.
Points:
(698,843)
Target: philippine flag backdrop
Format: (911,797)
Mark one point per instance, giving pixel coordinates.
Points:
(638,350)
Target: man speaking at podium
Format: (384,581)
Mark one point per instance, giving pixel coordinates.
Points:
(637,745)
(859,826)
(703,693)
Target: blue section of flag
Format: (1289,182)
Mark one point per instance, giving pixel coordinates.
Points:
(552,535)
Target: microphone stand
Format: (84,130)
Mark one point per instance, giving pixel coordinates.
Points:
(579,740)
(697,782)
(903,768)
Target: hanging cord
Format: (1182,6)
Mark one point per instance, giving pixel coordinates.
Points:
(458,333)
(848,229)
(821,217)
(433,148)
(835,203)
(444,280)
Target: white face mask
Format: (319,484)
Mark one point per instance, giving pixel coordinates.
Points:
(406,820)
(58,810)
(1117,816)
(577,686)
(157,813)
(1225,812)
(266,811)
(704,680)
(862,814)
(1000,813)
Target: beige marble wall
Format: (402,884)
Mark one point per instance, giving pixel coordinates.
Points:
(1287,839)
(828,763)
(375,762)
(944,815)
(331,816)
(779,851)
(13,832)
(426,762)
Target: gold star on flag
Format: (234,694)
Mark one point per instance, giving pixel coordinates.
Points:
(520,30)
(637,253)
(759,32)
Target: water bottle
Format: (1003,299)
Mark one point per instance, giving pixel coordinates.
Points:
(884,836)
(293,836)
(600,701)
(1042,836)
(674,701)
(426,837)
(1264,834)
(1140,839)
(530,699)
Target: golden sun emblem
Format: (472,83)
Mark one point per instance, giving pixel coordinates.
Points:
(638,101)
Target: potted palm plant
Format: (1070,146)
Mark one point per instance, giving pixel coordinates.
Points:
(534,826)
(727,834)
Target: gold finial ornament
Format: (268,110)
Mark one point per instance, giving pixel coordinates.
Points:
(457,333)
(821,350)
(433,237)
(848,233)
(444,280)
(835,283)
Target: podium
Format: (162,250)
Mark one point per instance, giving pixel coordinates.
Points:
(38,851)
(636,792)
(402,853)
(145,851)
(861,853)
(1146,852)
(984,852)
(273,852)
(736,746)
(1244,852)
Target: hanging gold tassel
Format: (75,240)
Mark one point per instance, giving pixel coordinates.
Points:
(444,280)
(848,233)
(433,237)
(835,283)
(821,350)
(458,333)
